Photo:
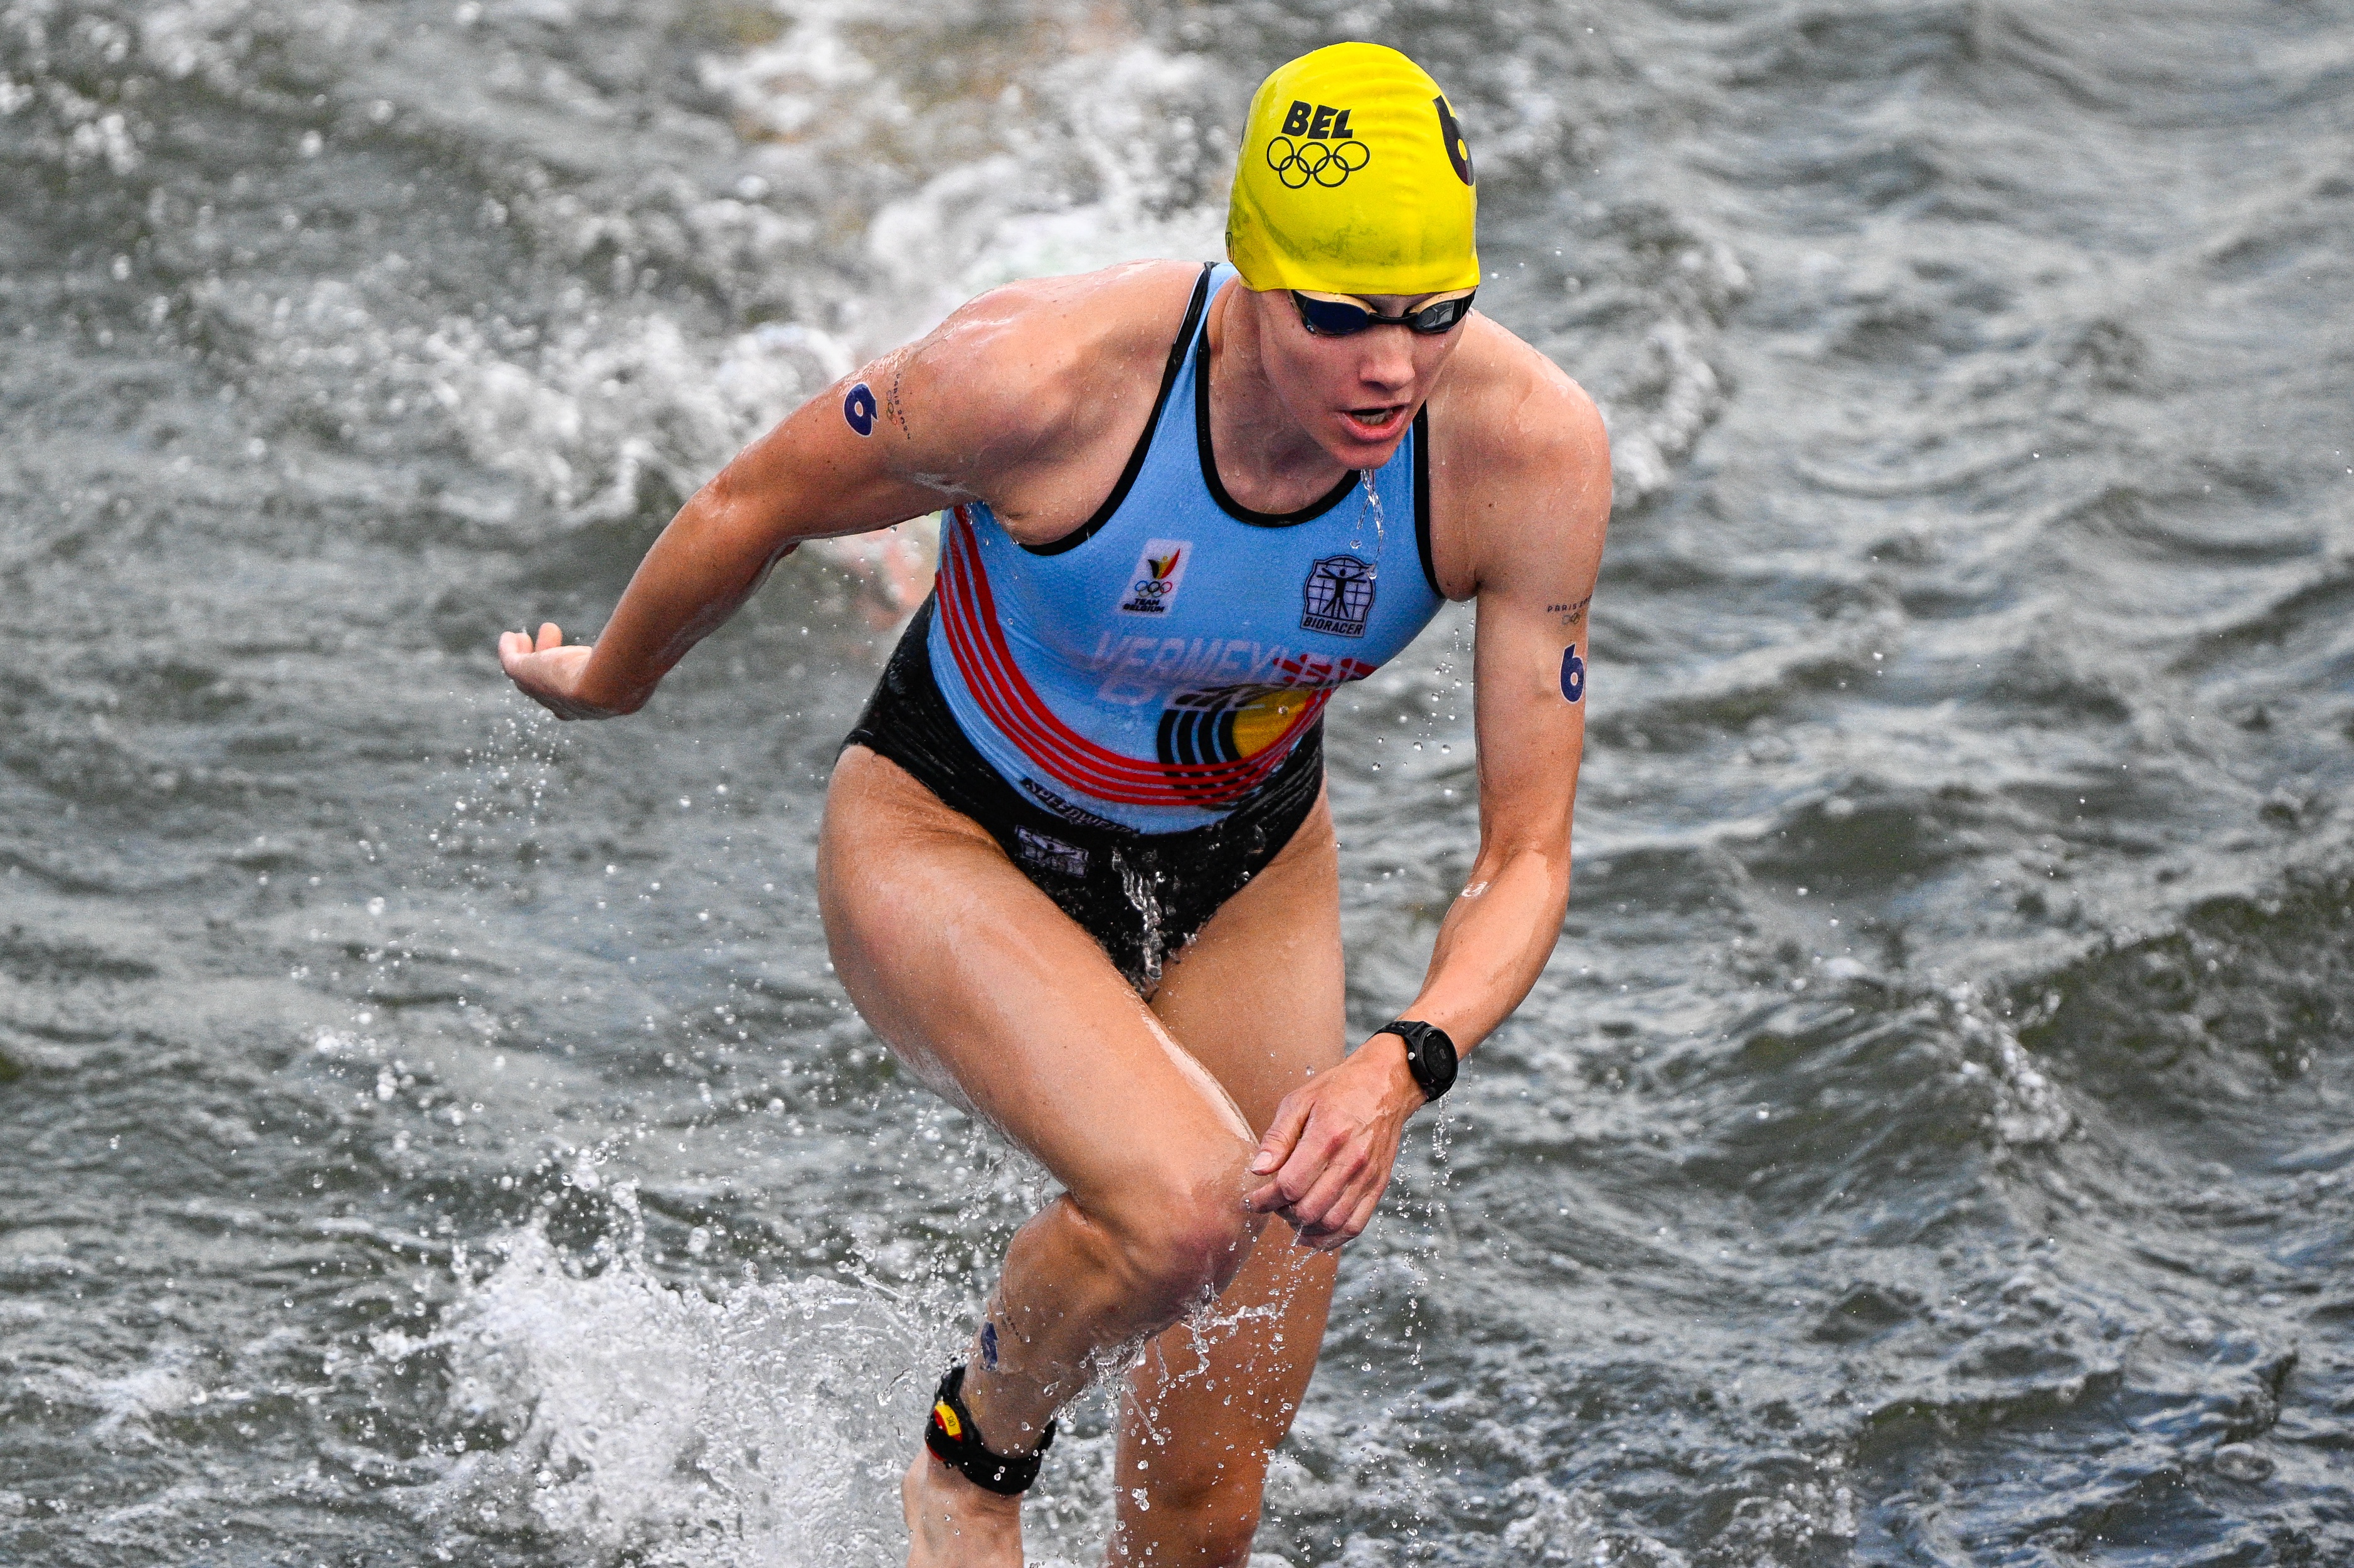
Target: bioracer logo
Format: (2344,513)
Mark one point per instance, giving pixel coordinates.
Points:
(1153,588)
(1339,596)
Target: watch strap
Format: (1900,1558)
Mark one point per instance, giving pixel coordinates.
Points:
(1429,1054)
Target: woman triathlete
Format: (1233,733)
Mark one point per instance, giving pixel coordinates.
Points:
(1078,867)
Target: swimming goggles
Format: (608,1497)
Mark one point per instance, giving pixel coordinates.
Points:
(1325,316)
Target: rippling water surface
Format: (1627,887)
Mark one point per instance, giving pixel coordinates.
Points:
(433,1136)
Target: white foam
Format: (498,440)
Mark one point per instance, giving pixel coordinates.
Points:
(1094,147)
(1090,184)
(2026,1107)
(1563,1526)
(159,1386)
(673,1426)
(1658,411)
(766,1424)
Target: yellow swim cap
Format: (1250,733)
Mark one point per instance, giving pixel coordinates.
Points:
(1353,179)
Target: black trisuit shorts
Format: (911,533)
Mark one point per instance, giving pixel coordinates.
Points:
(1141,895)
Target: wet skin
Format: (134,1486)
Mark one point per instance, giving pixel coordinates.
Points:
(1179,1123)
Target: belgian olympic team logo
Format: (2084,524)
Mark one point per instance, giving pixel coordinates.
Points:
(1328,163)
(1152,588)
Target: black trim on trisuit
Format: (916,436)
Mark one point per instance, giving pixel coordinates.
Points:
(1103,515)
(1422,497)
(1227,503)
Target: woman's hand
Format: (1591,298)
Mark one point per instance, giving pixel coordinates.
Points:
(1328,1154)
(549,673)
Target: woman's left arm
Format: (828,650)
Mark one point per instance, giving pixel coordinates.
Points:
(1534,531)
(1535,575)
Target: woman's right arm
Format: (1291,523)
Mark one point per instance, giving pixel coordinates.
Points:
(992,404)
(813,476)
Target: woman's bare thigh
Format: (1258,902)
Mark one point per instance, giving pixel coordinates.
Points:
(1257,997)
(996,997)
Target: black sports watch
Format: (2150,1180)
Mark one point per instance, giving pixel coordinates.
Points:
(1429,1054)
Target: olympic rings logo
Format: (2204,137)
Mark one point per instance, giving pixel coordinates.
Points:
(1327,163)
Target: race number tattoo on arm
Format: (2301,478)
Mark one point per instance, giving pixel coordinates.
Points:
(1573,675)
(858,408)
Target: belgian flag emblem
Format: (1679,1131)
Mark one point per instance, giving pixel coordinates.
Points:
(1233,725)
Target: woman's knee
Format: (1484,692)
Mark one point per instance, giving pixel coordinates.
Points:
(1208,1521)
(1180,1232)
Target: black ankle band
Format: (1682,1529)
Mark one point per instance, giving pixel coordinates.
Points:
(955,1441)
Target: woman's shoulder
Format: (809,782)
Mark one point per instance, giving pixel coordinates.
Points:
(1042,328)
(1502,404)
(1047,361)
(1520,461)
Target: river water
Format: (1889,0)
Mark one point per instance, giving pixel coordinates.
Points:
(427,1134)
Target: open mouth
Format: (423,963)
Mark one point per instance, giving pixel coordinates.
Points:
(1373,424)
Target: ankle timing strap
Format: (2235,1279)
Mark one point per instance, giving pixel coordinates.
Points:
(955,1441)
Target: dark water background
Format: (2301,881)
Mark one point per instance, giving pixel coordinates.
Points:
(429,1136)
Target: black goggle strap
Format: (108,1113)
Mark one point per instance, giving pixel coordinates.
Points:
(955,1441)
(1339,318)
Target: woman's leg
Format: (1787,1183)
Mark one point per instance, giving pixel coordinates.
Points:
(989,991)
(1257,998)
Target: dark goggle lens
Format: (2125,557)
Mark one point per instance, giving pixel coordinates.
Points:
(1337,318)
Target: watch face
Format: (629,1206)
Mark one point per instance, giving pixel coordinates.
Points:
(1429,1055)
(1439,1051)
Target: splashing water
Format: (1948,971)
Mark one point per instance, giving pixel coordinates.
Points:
(1928,1137)
(1142,889)
(1370,505)
(765,1424)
